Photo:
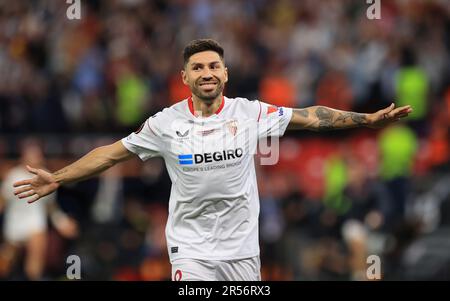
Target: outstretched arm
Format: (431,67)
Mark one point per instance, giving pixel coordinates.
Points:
(320,118)
(93,163)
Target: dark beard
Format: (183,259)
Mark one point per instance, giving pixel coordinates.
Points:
(208,98)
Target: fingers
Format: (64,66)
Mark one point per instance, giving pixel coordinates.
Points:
(386,112)
(400,112)
(21,183)
(32,170)
(401,116)
(34,199)
(26,194)
(390,108)
(395,114)
(23,189)
(403,110)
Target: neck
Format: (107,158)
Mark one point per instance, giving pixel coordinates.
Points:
(207,108)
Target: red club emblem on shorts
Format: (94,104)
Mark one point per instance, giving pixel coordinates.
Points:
(178,275)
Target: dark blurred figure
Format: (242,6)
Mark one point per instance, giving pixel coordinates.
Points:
(364,224)
(428,257)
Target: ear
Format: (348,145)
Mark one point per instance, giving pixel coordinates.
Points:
(184,77)
(226,74)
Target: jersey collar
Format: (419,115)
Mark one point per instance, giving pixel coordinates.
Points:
(191,105)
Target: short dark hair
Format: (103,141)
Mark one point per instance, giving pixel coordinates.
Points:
(200,45)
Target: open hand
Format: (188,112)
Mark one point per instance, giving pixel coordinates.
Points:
(388,115)
(40,185)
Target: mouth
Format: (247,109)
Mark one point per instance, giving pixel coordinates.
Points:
(208,85)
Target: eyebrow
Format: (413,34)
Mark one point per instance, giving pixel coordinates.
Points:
(196,63)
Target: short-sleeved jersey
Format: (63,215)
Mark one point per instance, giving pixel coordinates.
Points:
(214,203)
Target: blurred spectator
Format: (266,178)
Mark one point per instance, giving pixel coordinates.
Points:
(427,258)
(364,223)
(25,225)
(398,147)
(412,86)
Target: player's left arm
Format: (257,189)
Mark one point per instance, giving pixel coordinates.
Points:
(321,118)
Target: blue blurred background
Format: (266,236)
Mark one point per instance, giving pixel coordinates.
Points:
(332,200)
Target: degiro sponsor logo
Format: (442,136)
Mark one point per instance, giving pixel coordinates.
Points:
(189,159)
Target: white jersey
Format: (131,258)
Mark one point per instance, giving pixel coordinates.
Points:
(22,219)
(214,202)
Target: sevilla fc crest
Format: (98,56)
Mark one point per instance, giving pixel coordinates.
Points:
(232,127)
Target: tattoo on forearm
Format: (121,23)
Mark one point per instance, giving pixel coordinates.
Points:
(328,120)
(302,112)
(325,117)
(357,118)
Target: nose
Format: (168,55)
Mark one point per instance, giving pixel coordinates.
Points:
(206,75)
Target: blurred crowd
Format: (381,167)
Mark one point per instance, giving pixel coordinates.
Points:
(332,200)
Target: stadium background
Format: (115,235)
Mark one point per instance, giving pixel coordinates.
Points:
(333,199)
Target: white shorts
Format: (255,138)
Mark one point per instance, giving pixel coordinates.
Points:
(247,269)
(19,231)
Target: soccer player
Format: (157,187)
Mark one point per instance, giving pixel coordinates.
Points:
(207,145)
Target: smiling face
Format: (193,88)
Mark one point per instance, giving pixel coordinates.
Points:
(206,75)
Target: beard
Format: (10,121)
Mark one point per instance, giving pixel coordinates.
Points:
(210,95)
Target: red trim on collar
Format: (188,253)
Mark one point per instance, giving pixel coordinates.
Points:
(191,105)
(221,105)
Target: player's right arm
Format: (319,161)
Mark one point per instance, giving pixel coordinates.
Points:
(93,163)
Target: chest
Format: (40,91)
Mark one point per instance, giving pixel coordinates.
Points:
(208,142)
